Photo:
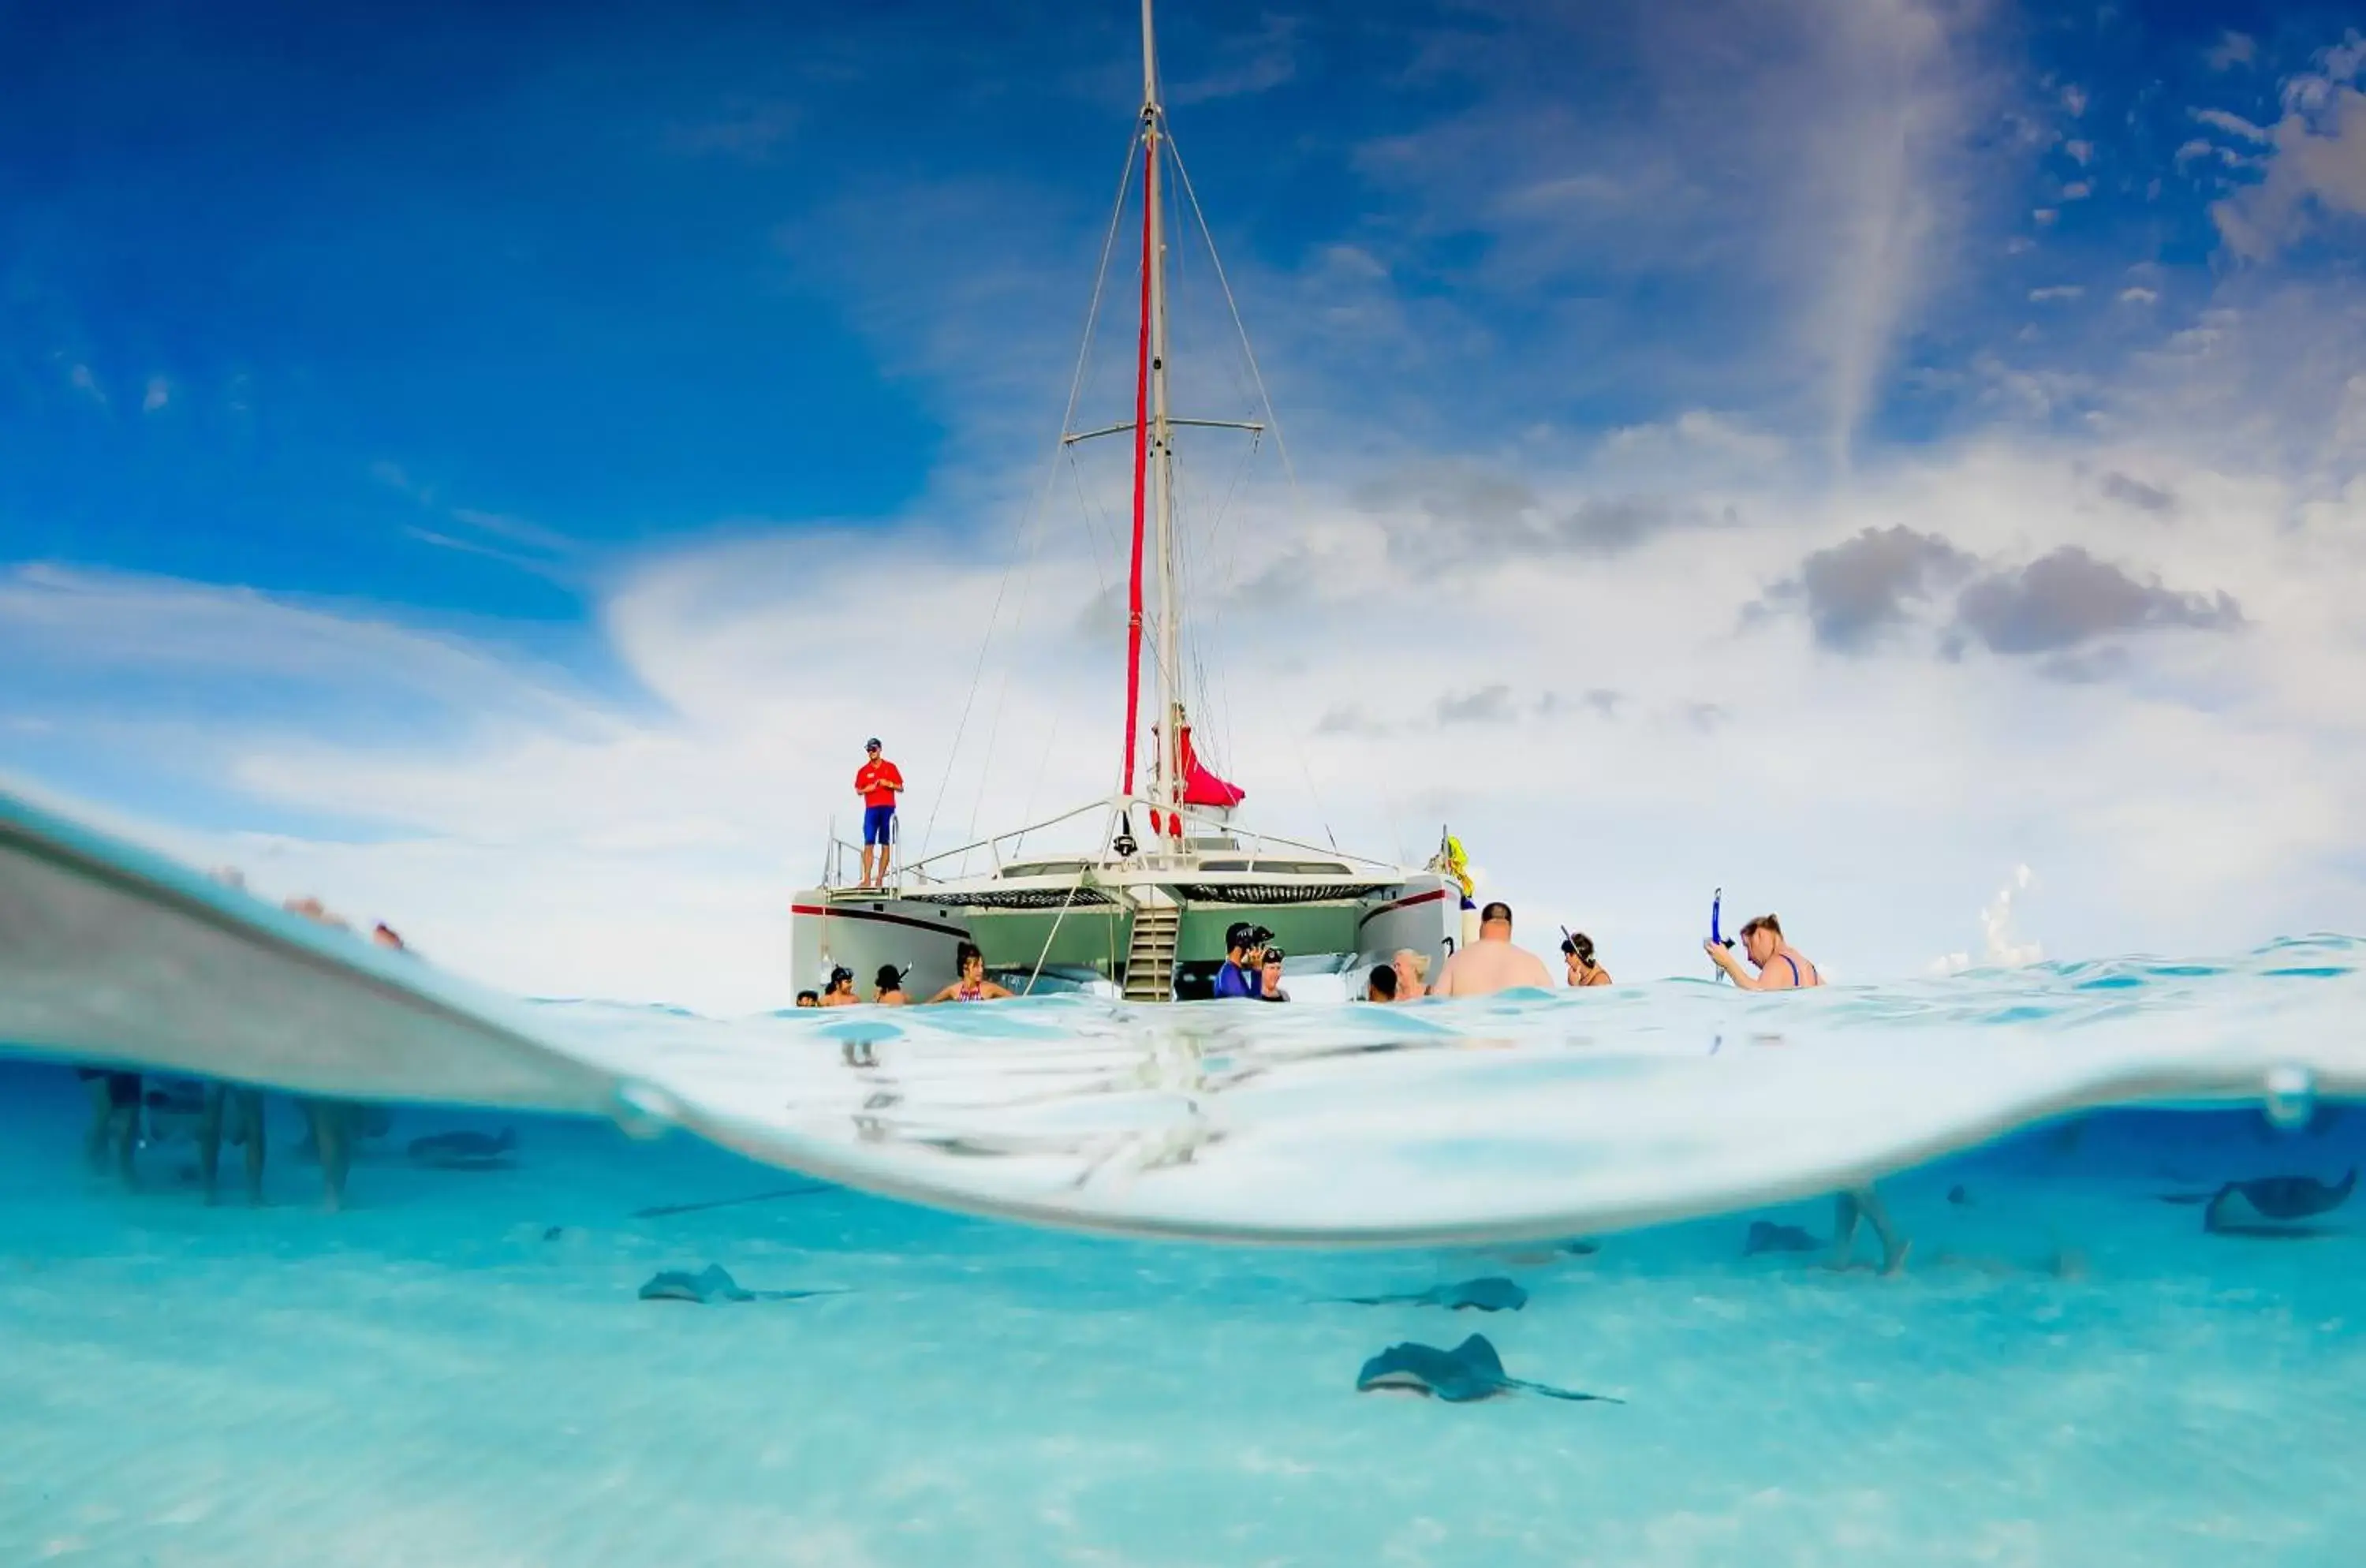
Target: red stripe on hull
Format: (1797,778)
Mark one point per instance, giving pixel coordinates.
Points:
(1432,897)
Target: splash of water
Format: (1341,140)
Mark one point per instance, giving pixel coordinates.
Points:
(2002,946)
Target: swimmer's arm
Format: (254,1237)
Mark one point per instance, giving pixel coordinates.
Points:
(947,994)
(1732,968)
(993,992)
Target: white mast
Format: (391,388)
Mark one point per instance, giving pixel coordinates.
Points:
(1162,432)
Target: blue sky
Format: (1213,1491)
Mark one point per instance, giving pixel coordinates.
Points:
(416,408)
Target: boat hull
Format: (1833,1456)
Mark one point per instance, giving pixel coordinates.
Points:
(828,930)
(1087,942)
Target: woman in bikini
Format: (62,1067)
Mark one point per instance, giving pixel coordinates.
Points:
(1577,952)
(1779,965)
(973,985)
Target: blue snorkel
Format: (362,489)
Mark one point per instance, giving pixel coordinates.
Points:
(1715,907)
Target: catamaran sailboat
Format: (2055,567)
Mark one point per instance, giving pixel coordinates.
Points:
(1147,909)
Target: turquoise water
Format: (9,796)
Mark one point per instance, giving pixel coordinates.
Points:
(2071,1368)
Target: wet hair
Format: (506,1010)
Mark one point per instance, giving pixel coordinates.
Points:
(964,952)
(842,975)
(1499,911)
(1763,923)
(808,999)
(1381,985)
(889,978)
(1581,946)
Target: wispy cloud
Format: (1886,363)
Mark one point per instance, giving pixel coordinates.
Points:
(513,541)
(1252,63)
(2234,124)
(1610,146)
(2232,49)
(2316,166)
(753,131)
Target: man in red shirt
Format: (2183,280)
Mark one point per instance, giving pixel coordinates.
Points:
(877,781)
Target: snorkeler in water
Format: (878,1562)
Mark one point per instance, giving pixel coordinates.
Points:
(1782,967)
(1577,956)
(1779,965)
(973,985)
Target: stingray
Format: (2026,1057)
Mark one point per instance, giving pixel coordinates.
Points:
(1470,1371)
(465,1151)
(2274,1205)
(1767,1237)
(712,1284)
(1493,1293)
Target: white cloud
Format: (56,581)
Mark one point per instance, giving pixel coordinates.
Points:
(2074,98)
(2057,291)
(2232,49)
(2234,124)
(82,380)
(2315,168)
(2137,294)
(2080,152)
(160,393)
(1698,432)
(2077,190)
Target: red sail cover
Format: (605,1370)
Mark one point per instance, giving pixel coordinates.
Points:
(1201,787)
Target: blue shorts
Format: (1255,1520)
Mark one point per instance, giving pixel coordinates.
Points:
(875,822)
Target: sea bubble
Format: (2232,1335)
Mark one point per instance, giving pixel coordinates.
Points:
(2291,1096)
(644,1110)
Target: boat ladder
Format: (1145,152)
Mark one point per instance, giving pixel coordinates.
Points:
(1150,954)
